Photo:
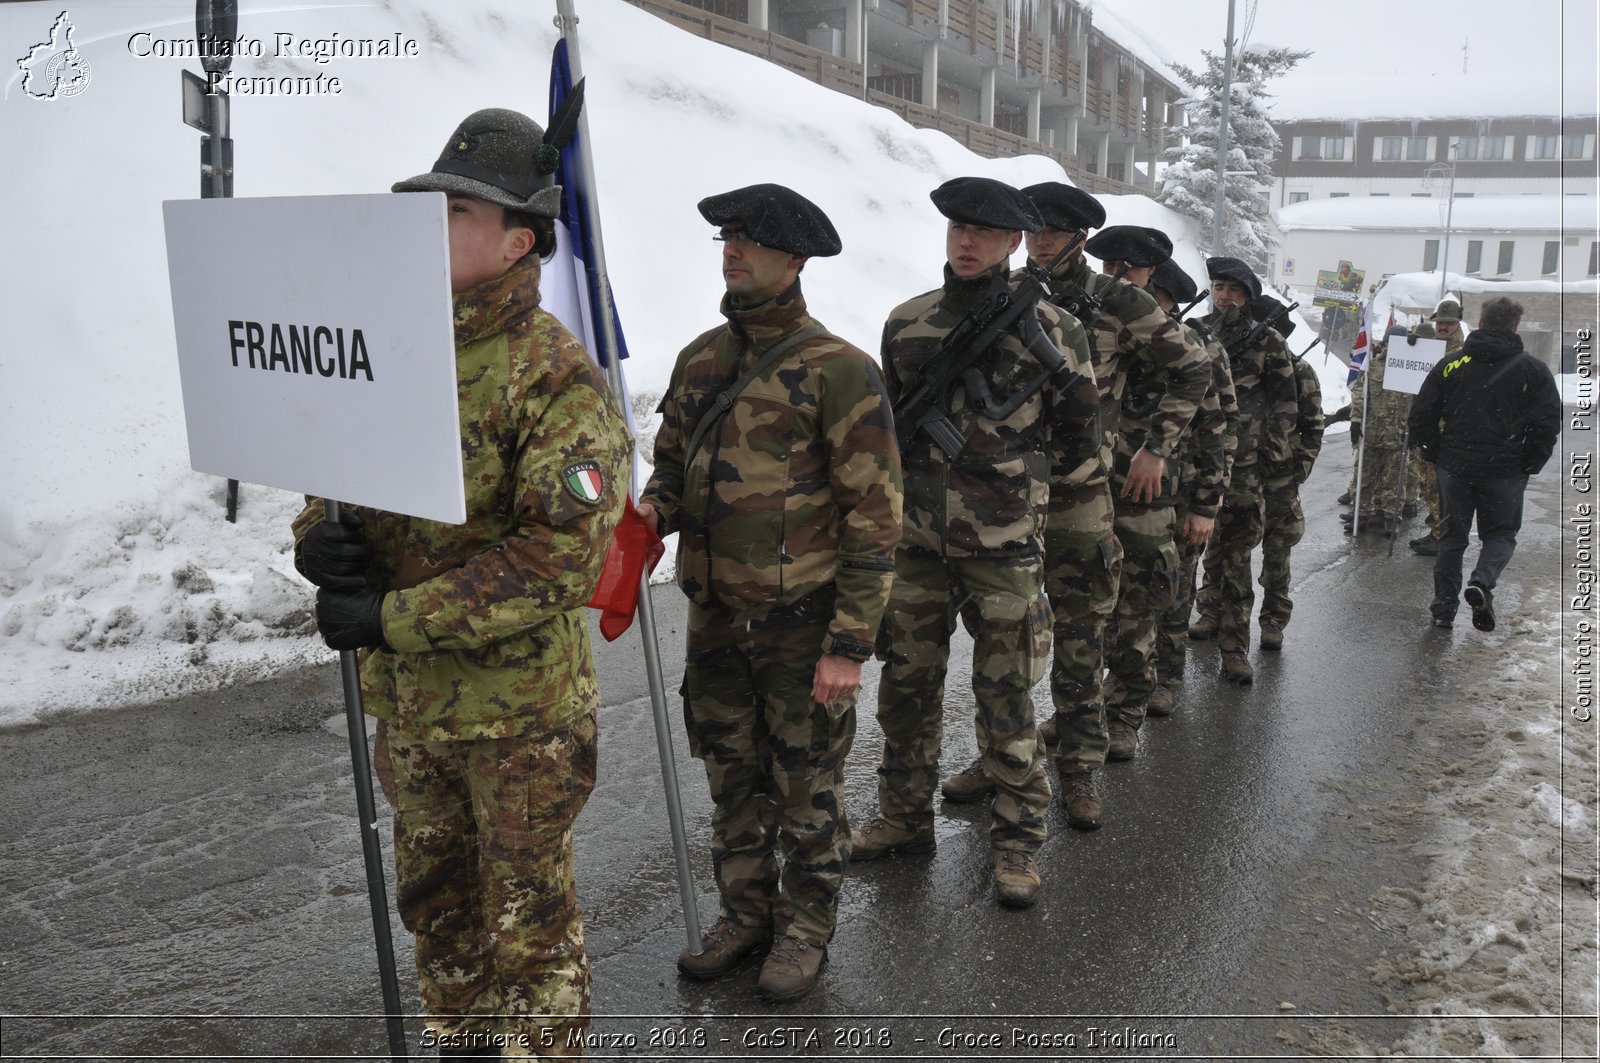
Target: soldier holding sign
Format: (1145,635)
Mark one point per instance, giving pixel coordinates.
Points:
(476,650)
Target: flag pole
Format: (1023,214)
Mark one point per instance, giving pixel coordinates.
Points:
(567,22)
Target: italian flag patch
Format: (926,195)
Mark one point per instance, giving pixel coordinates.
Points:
(583,479)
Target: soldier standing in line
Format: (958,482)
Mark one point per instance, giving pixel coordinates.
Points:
(776,465)
(974,529)
(1284,523)
(1377,425)
(1446,321)
(477,660)
(1263,380)
(1128,334)
(1205,459)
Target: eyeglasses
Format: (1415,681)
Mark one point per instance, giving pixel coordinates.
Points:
(738,238)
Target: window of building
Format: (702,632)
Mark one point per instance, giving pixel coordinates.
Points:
(1389,148)
(1338,195)
(1465,195)
(1417,149)
(1310,147)
(1378,195)
(1333,147)
(1506,248)
(1594,258)
(1494,148)
(1422,195)
(1299,197)
(1575,146)
(1430,256)
(1552,258)
(1466,147)
(1474,256)
(1544,147)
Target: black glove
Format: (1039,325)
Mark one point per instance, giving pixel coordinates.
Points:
(336,555)
(1355,434)
(1341,414)
(351,619)
(1429,454)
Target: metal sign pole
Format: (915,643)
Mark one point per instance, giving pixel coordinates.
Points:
(371,844)
(567,21)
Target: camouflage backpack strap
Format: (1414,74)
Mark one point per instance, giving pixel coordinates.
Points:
(725,398)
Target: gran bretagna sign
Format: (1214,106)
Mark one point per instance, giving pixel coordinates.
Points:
(316,346)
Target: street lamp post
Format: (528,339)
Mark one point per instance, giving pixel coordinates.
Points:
(1449,219)
(1220,211)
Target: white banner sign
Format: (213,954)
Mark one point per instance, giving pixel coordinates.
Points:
(1409,363)
(316,346)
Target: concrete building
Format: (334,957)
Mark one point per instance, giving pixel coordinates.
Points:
(1003,77)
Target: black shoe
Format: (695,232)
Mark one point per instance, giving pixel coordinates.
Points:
(1427,545)
(1444,621)
(1346,499)
(1408,510)
(1482,601)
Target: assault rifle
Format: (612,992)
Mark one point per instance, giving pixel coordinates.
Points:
(1245,338)
(925,406)
(1079,303)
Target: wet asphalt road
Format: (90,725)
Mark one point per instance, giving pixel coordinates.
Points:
(198,862)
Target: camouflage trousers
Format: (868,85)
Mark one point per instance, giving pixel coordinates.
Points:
(1228,592)
(1172,633)
(1380,484)
(1425,476)
(1083,568)
(483,879)
(1149,576)
(774,759)
(1285,525)
(1001,602)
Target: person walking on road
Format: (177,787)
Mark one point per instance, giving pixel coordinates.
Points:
(1487,418)
(475,647)
(776,464)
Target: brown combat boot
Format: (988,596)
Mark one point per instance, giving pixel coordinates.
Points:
(1271,633)
(880,838)
(792,968)
(1078,793)
(1161,702)
(971,783)
(1236,668)
(1048,732)
(1016,878)
(722,947)
(1204,628)
(1124,741)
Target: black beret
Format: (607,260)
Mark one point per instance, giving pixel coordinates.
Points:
(1134,244)
(1064,207)
(1263,307)
(775,217)
(985,201)
(1175,282)
(1232,269)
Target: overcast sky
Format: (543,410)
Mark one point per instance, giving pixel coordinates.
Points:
(1382,37)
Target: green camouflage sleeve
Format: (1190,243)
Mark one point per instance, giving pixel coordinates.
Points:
(865,475)
(570,483)
(1184,364)
(1283,404)
(1214,428)
(1308,437)
(664,491)
(1076,441)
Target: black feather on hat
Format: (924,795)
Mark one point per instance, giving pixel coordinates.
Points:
(1233,269)
(987,202)
(1065,207)
(1136,245)
(1263,307)
(1178,285)
(775,217)
(496,155)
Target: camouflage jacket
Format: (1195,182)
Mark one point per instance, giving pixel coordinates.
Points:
(1381,413)
(1206,453)
(797,488)
(1152,374)
(992,499)
(486,618)
(1308,430)
(1269,407)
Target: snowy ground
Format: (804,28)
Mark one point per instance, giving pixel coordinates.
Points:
(119,580)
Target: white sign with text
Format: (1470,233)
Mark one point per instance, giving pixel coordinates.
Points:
(316,346)
(1410,363)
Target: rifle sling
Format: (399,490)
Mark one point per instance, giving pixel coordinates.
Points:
(724,400)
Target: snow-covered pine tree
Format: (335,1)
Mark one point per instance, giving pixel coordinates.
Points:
(1189,183)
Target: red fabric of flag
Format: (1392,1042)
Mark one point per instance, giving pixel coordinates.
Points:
(634,551)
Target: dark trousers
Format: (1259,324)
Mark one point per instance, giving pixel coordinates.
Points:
(1497,502)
